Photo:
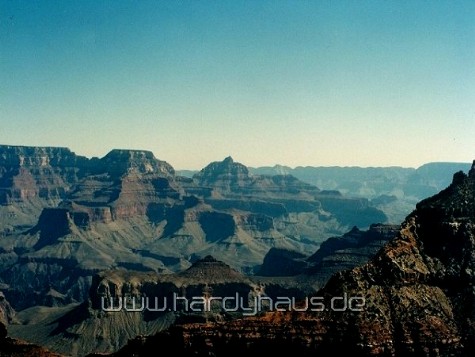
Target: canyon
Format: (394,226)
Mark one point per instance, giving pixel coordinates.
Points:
(417,290)
(77,232)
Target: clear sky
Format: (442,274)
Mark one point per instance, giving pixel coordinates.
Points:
(320,83)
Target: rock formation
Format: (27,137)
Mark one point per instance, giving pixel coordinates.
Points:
(283,262)
(352,249)
(46,173)
(335,254)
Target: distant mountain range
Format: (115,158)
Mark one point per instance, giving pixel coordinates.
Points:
(369,182)
(394,190)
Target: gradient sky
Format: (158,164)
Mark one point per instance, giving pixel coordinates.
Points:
(320,83)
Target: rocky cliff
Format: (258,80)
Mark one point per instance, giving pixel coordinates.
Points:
(415,297)
(38,172)
(352,249)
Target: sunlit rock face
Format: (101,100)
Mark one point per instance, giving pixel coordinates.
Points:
(38,172)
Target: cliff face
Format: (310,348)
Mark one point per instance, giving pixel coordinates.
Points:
(205,276)
(54,174)
(123,184)
(119,162)
(418,297)
(7,314)
(34,172)
(127,183)
(395,190)
(280,202)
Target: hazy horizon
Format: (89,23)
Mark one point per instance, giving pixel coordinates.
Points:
(294,83)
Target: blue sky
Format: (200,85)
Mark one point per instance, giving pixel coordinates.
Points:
(350,83)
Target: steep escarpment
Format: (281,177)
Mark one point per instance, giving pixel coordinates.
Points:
(7,313)
(119,162)
(32,178)
(415,297)
(38,172)
(52,224)
(225,176)
(129,210)
(96,221)
(48,175)
(126,184)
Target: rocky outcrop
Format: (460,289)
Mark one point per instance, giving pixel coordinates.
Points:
(124,185)
(206,276)
(415,297)
(352,249)
(123,304)
(226,176)
(283,262)
(224,184)
(120,162)
(217,226)
(258,222)
(53,224)
(54,174)
(348,210)
(258,206)
(7,313)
